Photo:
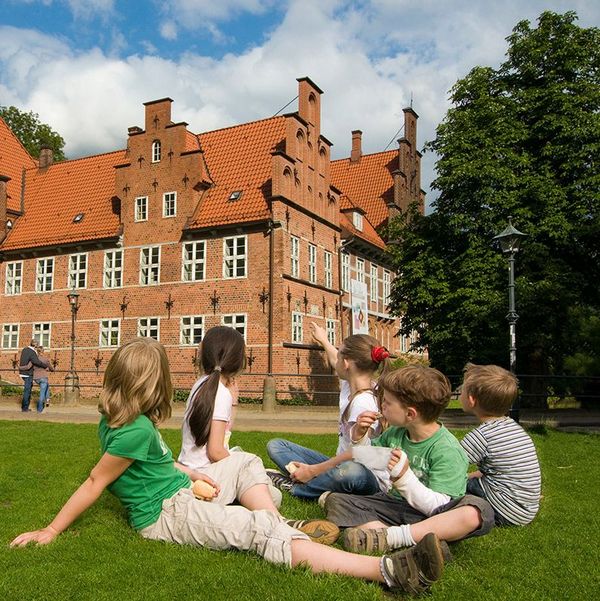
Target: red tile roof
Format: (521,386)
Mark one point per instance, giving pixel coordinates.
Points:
(53,196)
(368,183)
(238,159)
(13,157)
(368,232)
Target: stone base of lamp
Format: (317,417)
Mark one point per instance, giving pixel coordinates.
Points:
(71,396)
(269,403)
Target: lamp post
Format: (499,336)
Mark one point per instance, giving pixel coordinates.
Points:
(510,242)
(72,379)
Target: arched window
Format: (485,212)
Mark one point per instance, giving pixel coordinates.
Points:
(156,151)
(300,144)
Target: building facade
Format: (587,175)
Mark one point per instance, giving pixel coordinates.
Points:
(251,226)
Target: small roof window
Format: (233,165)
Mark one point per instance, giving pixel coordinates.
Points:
(9,224)
(79,217)
(235,195)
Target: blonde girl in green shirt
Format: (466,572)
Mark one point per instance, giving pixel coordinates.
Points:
(139,469)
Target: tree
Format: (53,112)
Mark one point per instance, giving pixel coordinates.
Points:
(32,133)
(521,140)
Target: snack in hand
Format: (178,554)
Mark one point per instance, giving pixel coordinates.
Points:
(291,467)
(203,490)
(378,415)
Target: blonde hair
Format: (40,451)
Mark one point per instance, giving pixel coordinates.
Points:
(493,387)
(425,389)
(137,382)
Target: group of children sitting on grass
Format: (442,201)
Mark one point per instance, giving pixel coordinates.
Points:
(398,483)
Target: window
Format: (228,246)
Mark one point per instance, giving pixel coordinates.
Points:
(295,256)
(44,275)
(192,264)
(141,208)
(357,221)
(345,271)
(14,278)
(148,327)
(234,257)
(386,287)
(150,265)
(110,333)
(191,330)
(360,270)
(113,268)
(403,345)
(77,271)
(156,151)
(235,321)
(41,334)
(10,335)
(297,327)
(374,283)
(312,263)
(330,329)
(328,269)
(169,204)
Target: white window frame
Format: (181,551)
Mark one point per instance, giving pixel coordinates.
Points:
(146,325)
(374,283)
(297,327)
(140,211)
(387,286)
(330,330)
(44,277)
(328,268)
(112,276)
(345,271)
(41,332)
(150,265)
(191,266)
(169,202)
(107,327)
(312,263)
(13,282)
(295,256)
(10,335)
(232,262)
(188,324)
(360,270)
(357,221)
(156,151)
(237,321)
(77,272)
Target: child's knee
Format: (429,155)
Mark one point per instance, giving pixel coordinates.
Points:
(274,446)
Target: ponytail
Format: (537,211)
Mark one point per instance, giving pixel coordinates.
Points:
(203,406)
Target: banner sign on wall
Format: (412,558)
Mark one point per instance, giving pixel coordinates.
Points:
(360,321)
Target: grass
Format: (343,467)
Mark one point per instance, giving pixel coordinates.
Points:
(101,558)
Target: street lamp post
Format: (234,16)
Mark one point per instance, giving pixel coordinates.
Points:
(510,242)
(72,379)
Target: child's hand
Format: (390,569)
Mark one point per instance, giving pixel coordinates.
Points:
(398,464)
(303,472)
(318,333)
(205,478)
(363,422)
(41,537)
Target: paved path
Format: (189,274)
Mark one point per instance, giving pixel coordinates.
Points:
(301,420)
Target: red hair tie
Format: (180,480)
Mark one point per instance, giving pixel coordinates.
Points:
(379,353)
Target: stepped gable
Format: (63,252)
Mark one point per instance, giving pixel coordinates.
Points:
(238,159)
(55,195)
(368,183)
(13,158)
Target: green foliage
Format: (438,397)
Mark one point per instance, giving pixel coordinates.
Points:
(32,132)
(522,140)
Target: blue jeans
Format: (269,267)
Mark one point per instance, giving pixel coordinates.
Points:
(44,393)
(27,386)
(348,477)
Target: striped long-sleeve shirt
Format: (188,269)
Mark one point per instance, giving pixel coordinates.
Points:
(505,455)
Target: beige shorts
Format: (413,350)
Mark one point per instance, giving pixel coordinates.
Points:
(218,525)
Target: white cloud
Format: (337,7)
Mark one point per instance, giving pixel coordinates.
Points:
(168,30)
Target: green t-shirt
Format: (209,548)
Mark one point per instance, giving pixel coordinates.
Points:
(151,478)
(439,461)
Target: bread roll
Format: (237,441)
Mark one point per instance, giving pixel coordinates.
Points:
(203,490)
(291,467)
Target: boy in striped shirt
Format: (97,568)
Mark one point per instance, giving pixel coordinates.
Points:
(508,474)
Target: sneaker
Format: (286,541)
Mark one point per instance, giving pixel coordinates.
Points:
(280,481)
(323,499)
(360,540)
(415,569)
(319,531)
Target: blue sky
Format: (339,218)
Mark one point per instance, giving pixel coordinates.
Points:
(86,66)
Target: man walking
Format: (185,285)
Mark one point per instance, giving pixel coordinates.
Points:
(28,356)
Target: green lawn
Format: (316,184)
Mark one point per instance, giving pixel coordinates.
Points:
(556,557)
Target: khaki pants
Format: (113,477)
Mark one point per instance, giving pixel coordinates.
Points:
(218,525)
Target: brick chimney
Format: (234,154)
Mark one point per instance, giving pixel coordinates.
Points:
(356,146)
(4,179)
(46,156)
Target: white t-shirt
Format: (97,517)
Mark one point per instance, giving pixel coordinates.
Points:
(192,455)
(364,401)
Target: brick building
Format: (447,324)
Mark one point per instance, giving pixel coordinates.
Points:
(252,226)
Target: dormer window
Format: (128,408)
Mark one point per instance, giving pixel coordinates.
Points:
(156,151)
(357,221)
(235,195)
(78,217)
(9,224)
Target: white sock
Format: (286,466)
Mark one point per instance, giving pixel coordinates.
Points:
(400,536)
